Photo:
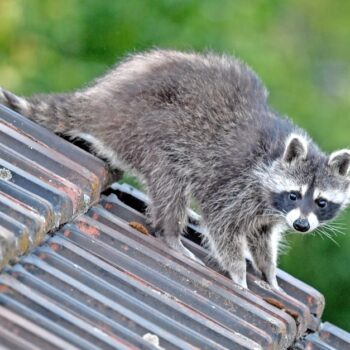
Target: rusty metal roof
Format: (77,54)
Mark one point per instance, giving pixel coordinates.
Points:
(45,181)
(102,282)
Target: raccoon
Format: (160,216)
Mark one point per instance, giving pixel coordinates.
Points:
(198,126)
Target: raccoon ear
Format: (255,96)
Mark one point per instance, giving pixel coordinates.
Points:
(296,148)
(339,162)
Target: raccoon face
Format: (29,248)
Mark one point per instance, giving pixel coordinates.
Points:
(306,187)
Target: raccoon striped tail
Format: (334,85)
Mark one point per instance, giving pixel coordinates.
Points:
(18,104)
(49,110)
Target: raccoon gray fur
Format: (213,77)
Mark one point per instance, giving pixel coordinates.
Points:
(199,126)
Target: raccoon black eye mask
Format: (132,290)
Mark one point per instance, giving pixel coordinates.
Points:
(199,126)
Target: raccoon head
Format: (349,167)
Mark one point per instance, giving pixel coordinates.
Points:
(306,187)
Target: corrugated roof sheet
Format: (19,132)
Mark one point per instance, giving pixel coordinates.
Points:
(99,283)
(45,181)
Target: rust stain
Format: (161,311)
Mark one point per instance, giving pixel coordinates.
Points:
(95,216)
(42,147)
(274,302)
(281,306)
(73,193)
(108,206)
(54,246)
(89,230)
(4,288)
(139,227)
(66,233)
(18,202)
(42,256)
(292,313)
(21,132)
(139,279)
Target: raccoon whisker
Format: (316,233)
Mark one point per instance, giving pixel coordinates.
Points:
(327,225)
(336,225)
(333,240)
(334,230)
(326,234)
(319,234)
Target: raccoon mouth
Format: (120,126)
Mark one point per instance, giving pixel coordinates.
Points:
(302,223)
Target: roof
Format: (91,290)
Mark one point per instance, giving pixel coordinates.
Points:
(46,181)
(85,273)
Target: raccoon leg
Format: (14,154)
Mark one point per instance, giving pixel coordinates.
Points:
(263,248)
(168,213)
(229,252)
(234,262)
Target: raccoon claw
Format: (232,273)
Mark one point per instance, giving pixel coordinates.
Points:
(199,261)
(176,245)
(240,281)
(274,286)
(279,290)
(190,255)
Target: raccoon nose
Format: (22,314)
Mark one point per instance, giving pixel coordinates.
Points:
(301,225)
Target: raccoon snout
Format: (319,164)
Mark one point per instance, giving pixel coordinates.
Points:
(301,225)
(302,222)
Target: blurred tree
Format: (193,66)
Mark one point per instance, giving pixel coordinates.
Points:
(300,49)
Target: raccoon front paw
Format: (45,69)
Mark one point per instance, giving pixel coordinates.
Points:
(239,279)
(278,289)
(272,281)
(175,244)
(269,274)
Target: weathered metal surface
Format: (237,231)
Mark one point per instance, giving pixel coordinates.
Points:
(101,284)
(329,337)
(334,336)
(173,275)
(51,142)
(44,182)
(16,332)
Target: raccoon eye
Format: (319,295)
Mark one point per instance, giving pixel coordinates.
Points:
(322,203)
(293,196)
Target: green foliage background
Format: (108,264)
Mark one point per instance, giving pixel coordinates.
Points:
(300,49)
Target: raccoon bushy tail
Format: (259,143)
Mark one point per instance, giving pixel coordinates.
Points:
(52,111)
